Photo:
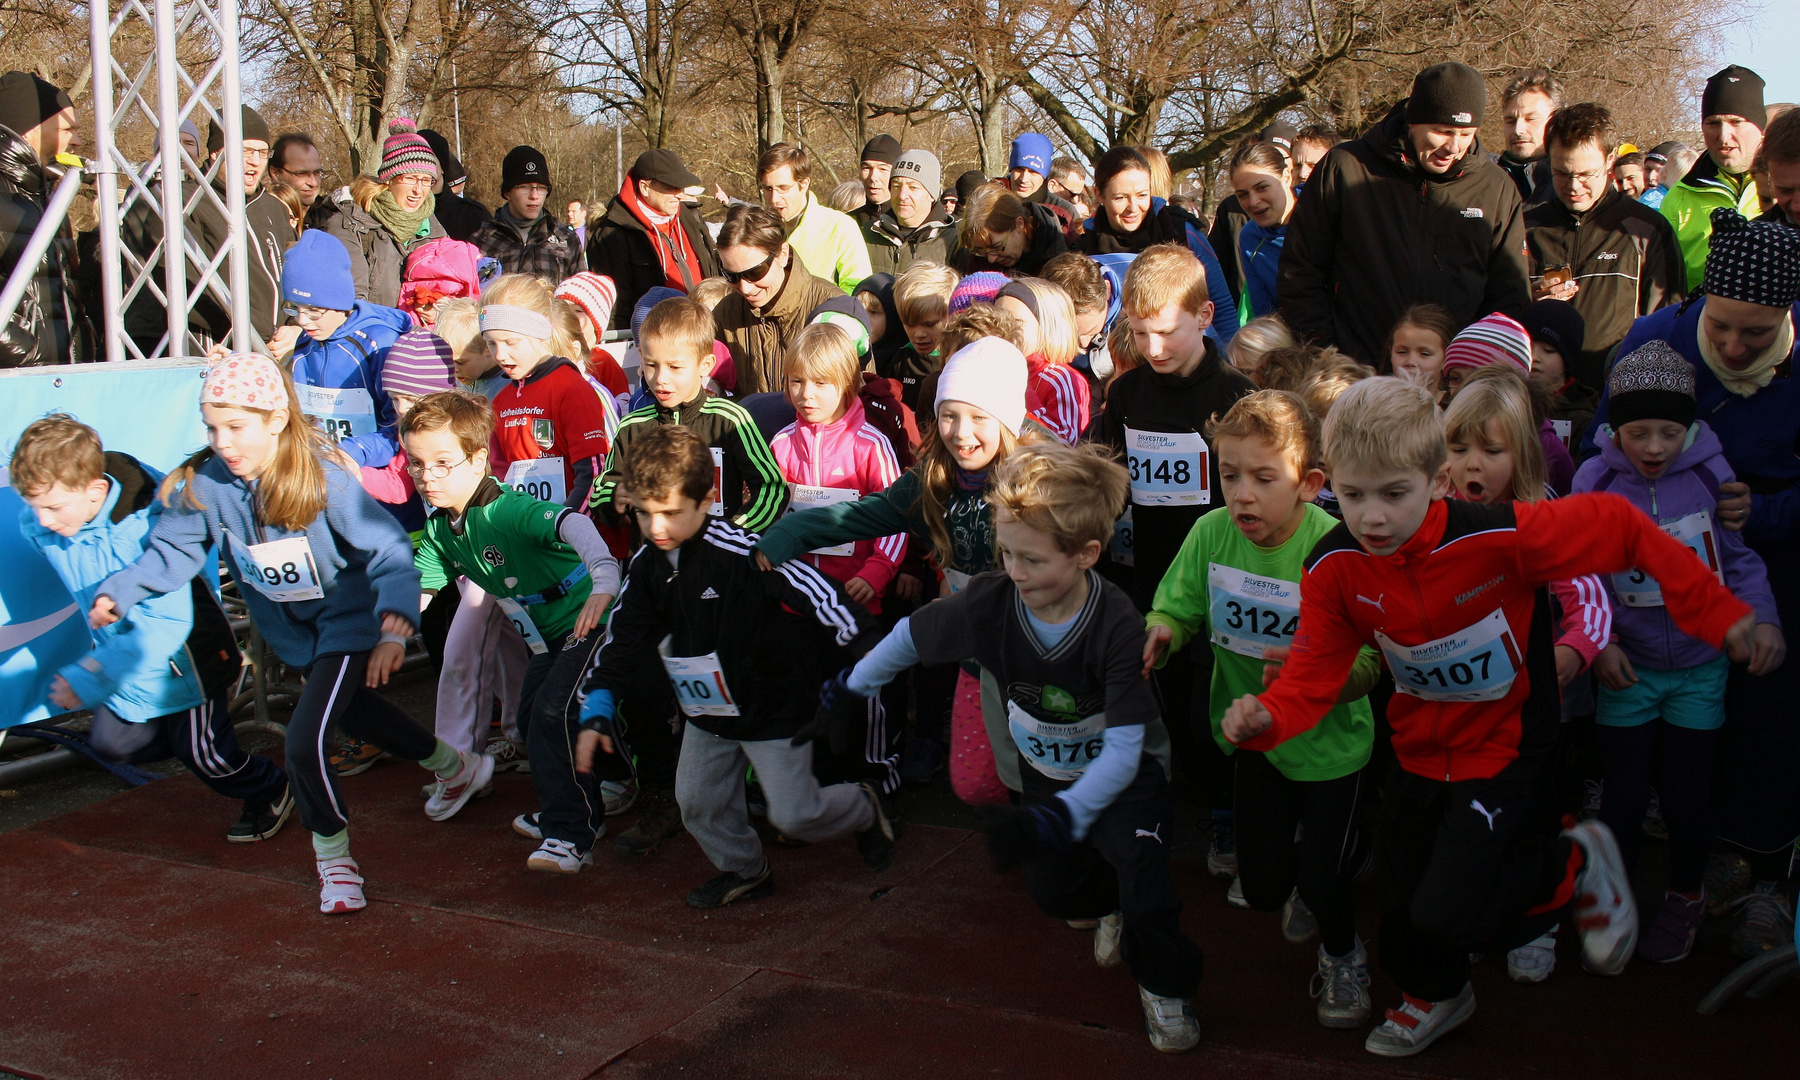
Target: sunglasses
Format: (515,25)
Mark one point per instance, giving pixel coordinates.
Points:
(755,273)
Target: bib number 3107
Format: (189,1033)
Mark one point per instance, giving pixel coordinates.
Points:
(1475,664)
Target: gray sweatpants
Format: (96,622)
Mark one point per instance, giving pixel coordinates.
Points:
(709,786)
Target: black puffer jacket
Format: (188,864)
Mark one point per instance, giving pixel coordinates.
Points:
(1373,234)
(43,328)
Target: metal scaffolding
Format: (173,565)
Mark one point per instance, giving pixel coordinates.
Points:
(157,88)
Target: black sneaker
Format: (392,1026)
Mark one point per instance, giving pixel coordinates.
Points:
(727,888)
(262,822)
(658,819)
(876,843)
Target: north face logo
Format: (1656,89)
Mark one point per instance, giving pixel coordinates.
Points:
(709,594)
(1461,118)
(491,555)
(1472,212)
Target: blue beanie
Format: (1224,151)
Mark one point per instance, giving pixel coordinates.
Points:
(646,302)
(316,273)
(1032,151)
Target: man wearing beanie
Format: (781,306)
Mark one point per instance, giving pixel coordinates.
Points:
(913,227)
(878,157)
(1411,213)
(37,122)
(461,216)
(1027,169)
(523,235)
(265,216)
(1732,119)
(649,237)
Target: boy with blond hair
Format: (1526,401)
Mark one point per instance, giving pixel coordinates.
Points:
(922,300)
(1447,590)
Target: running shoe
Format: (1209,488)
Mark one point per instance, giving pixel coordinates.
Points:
(1341,986)
(526,825)
(618,795)
(1417,1024)
(559,857)
(1670,936)
(1533,961)
(658,819)
(1765,921)
(1654,825)
(262,822)
(1107,934)
(729,888)
(1221,854)
(1170,1022)
(454,792)
(876,843)
(356,756)
(1605,910)
(1590,807)
(1727,879)
(1297,922)
(1235,895)
(508,756)
(340,886)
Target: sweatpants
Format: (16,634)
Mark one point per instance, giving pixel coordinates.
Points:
(709,786)
(484,659)
(875,758)
(1468,867)
(569,803)
(202,738)
(1684,786)
(1270,807)
(1758,784)
(1122,866)
(335,701)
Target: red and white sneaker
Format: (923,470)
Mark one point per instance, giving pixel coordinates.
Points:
(1605,910)
(340,886)
(454,793)
(1417,1024)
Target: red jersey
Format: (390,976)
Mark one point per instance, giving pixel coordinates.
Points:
(553,413)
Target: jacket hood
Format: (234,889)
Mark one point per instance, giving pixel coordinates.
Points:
(889,227)
(366,316)
(19,164)
(134,485)
(1392,141)
(1702,447)
(881,286)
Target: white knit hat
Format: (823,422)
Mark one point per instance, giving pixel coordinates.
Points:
(990,374)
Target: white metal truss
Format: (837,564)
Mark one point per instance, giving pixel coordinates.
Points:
(164,93)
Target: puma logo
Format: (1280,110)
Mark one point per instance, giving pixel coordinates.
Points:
(1154,834)
(1475,805)
(1375,603)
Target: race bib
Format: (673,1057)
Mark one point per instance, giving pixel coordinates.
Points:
(515,614)
(956,581)
(339,413)
(700,687)
(718,506)
(1640,590)
(1168,468)
(1476,664)
(1248,613)
(1563,429)
(1059,751)
(281,570)
(1121,547)
(802,497)
(541,478)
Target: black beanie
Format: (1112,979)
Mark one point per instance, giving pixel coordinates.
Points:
(1449,93)
(1735,91)
(27,101)
(452,169)
(1757,262)
(884,148)
(254,128)
(1557,324)
(967,183)
(1652,383)
(523,165)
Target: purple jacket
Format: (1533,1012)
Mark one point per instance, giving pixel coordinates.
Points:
(1689,486)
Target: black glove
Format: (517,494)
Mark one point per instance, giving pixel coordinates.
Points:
(841,719)
(1016,833)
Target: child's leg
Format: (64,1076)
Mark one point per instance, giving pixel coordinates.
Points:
(128,742)
(709,786)
(798,806)
(1686,791)
(1411,809)
(1267,809)
(335,698)
(1625,756)
(569,801)
(462,703)
(206,742)
(993,717)
(503,672)
(972,771)
(1132,836)
(1328,824)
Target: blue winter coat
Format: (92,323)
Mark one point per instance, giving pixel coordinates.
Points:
(1259,254)
(351,358)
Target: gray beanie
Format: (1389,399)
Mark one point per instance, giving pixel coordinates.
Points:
(920,165)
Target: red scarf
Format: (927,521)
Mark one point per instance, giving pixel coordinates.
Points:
(681,267)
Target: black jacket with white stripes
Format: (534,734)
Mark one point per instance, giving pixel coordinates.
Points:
(707,598)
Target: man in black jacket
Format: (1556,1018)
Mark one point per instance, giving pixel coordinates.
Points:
(37,122)
(461,217)
(1411,213)
(648,237)
(1526,107)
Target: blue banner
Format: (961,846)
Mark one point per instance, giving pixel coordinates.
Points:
(146,408)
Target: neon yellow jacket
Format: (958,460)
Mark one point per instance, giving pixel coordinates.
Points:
(830,244)
(1689,206)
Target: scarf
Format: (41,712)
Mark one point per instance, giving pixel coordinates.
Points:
(405,227)
(1158,228)
(667,238)
(1748,380)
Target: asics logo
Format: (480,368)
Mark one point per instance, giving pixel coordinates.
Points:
(1475,805)
(1154,834)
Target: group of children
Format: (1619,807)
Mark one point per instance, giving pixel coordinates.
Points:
(1028,500)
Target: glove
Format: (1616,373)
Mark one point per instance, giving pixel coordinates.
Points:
(1016,833)
(598,714)
(841,719)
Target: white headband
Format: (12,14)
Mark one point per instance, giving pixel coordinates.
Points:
(517,319)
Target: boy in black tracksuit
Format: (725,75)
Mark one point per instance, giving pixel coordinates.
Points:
(694,598)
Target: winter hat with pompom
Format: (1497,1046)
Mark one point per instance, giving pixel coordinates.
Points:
(405,152)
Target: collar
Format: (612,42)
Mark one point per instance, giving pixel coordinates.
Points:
(489,490)
(1425,541)
(546,368)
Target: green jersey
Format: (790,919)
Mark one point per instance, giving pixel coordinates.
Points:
(507,543)
(1248,598)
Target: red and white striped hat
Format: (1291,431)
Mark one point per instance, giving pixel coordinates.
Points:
(594,294)
(1494,339)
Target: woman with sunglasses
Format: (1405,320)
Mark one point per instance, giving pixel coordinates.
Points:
(771,298)
(389,215)
(1003,232)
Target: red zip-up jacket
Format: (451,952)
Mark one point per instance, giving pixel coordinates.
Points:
(1442,590)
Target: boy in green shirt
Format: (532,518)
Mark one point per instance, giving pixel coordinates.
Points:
(1238,575)
(547,568)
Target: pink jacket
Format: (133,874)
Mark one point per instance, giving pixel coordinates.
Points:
(1063,398)
(390,483)
(849,453)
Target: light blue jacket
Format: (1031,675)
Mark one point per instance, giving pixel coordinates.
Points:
(139,667)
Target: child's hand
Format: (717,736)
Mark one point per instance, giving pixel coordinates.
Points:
(103,613)
(762,561)
(585,745)
(591,613)
(620,502)
(860,591)
(1768,649)
(1273,657)
(1734,505)
(281,346)
(1156,646)
(396,624)
(384,660)
(1613,668)
(62,695)
(908,588)
(1245,719)
(1568,665)
(1740,640)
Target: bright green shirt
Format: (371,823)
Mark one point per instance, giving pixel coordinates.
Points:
(1689,206)
(507,544)
(1248,597)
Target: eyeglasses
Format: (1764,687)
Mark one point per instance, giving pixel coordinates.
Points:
(306,313)
(755,273)
(783,190)
(436,472)
(990,249)
(316,174)
(1587,179)
(414,180)
(253,154)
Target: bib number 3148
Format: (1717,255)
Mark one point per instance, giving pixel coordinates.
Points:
(1168,468)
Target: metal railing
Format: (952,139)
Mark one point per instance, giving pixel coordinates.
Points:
(41,239)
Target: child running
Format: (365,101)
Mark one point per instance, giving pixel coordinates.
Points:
(1237,576)
(1447,591)
(695,600)
(328,576)
(1082,724)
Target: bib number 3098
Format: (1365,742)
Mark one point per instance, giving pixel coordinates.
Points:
(282,570)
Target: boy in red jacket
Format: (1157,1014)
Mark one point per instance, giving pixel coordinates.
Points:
(1447,590)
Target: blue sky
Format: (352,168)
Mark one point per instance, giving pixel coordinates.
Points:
(1769,44)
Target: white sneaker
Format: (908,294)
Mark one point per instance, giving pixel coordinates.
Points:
(1341,986)
(618,795)
(1082,924)
(508,756)
(1534,961)
(559,857)
(1107,931)
(526,825)
(1297,922)
(1235,895)
(1417,1024)
(454,793)
(1170,1022)
(1605,910)
(340,886)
